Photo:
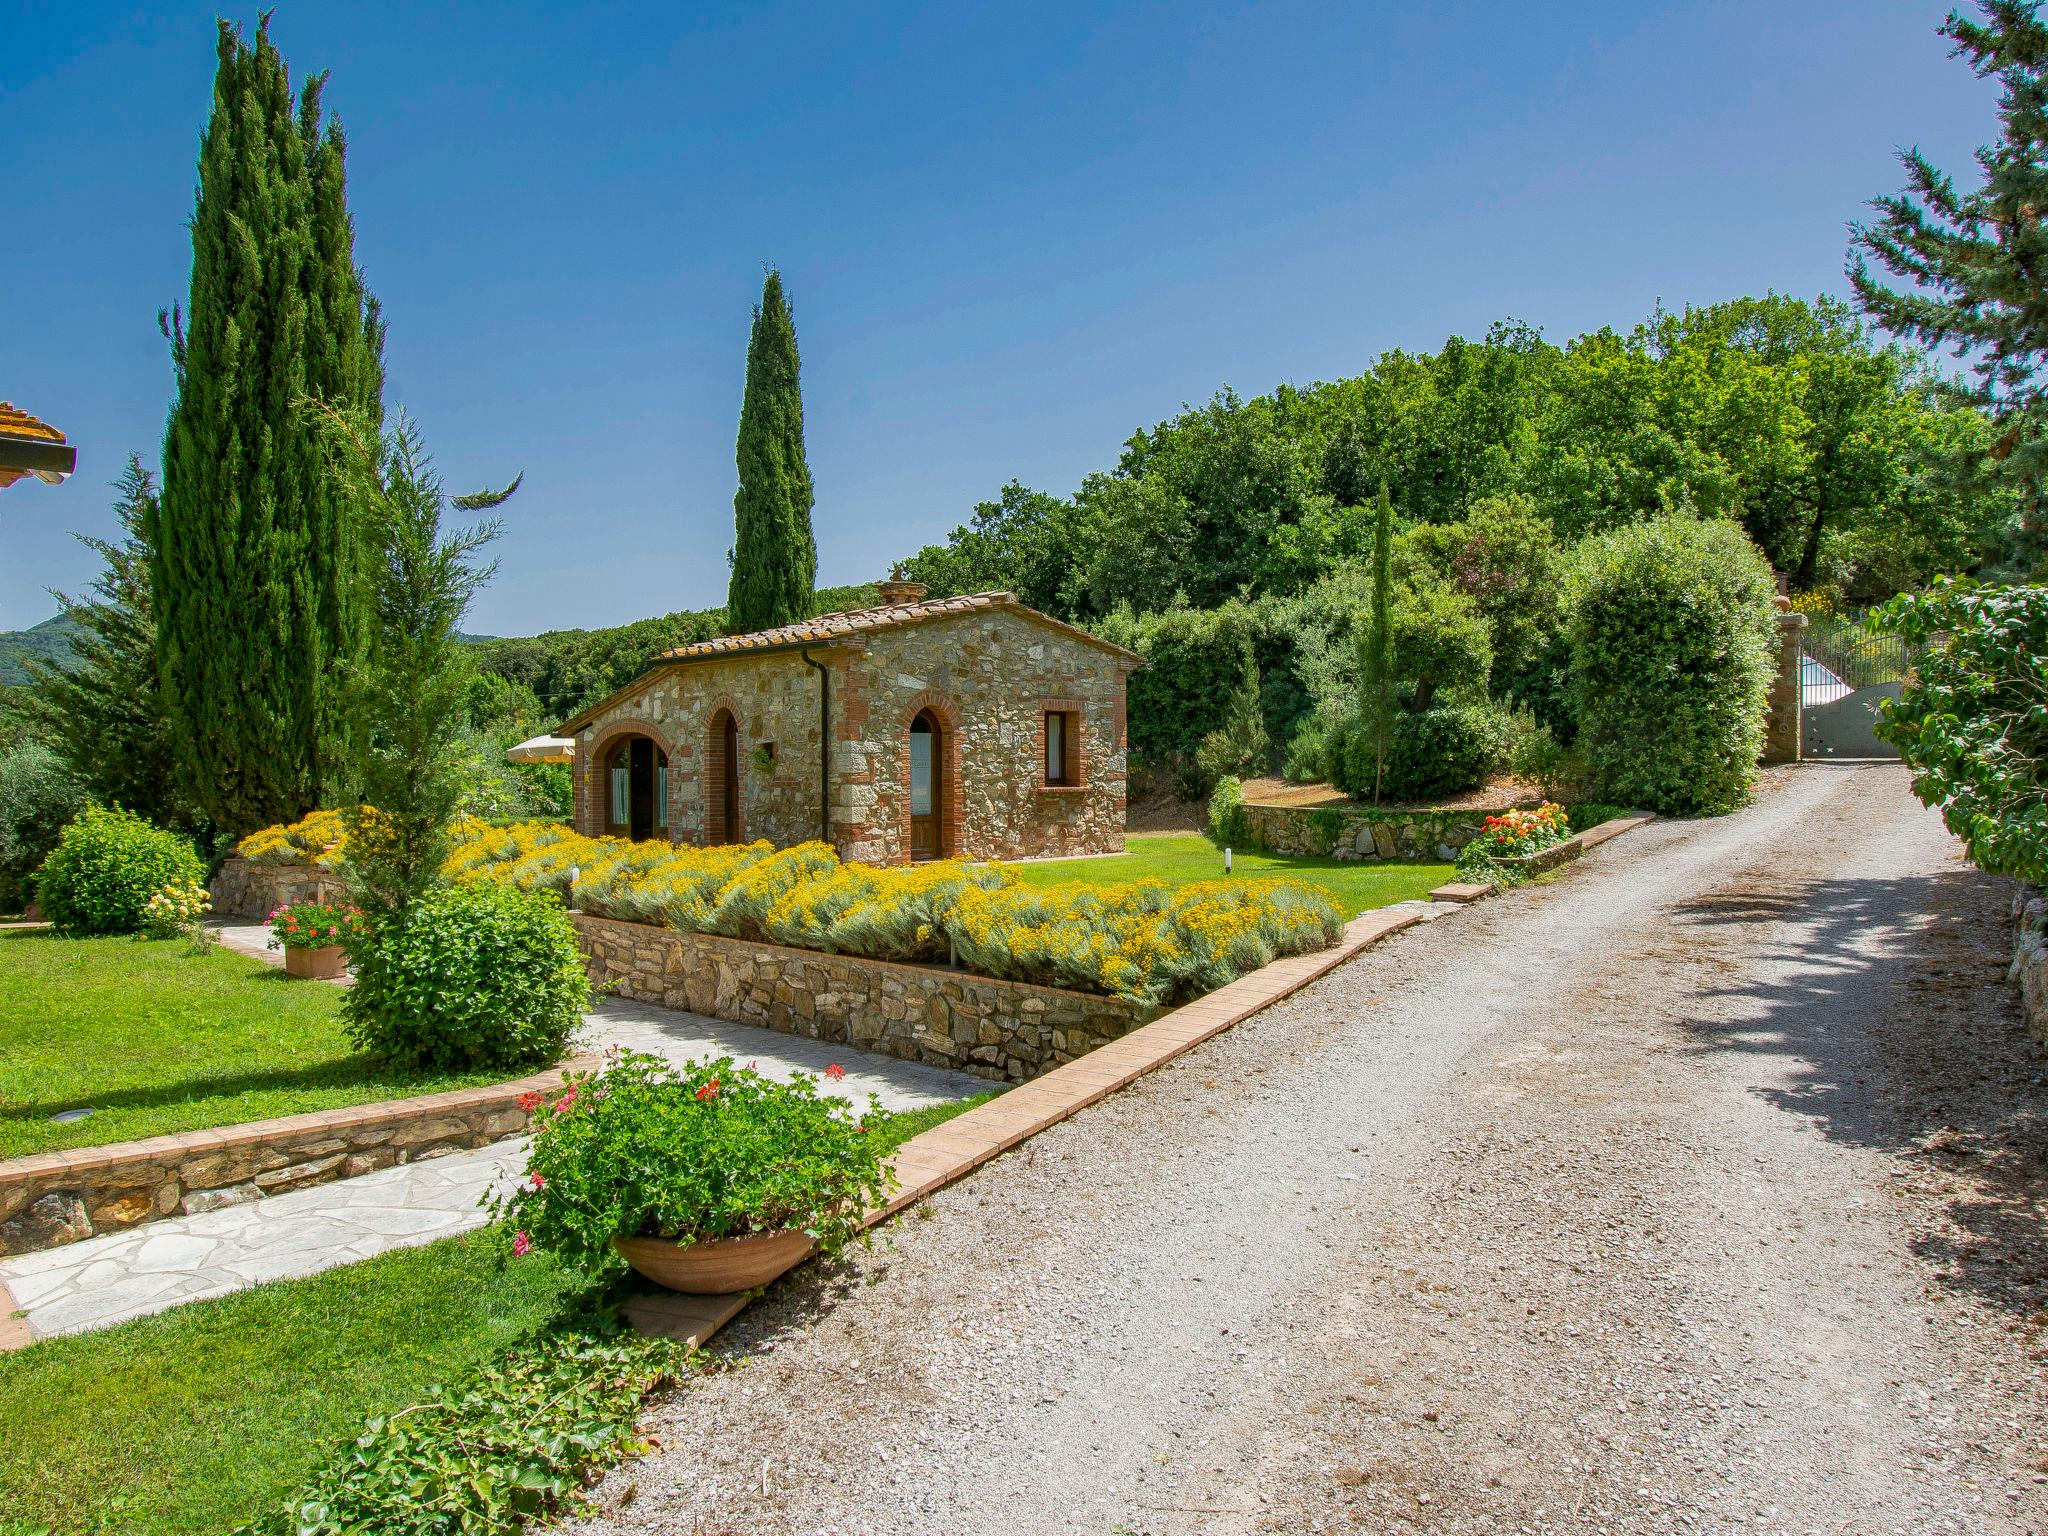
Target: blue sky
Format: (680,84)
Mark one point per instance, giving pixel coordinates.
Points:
(1011,234)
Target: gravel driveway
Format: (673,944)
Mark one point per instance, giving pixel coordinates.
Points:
(1697,1190)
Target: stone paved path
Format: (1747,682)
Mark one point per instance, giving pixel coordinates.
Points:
(122,1275)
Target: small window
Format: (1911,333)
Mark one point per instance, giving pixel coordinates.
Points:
(1062,747)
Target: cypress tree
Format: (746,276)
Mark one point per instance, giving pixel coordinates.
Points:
(1976,260)
(1376,645)
(774,557)
(258,579)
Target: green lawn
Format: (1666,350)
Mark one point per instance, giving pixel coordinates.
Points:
(158,1039)
(193,1418)
(1178,858)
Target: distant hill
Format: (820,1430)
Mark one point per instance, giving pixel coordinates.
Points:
(48,641)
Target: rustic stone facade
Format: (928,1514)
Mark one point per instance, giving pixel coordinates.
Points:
(1781,724)
(1005,1030)
(988,676)
(242,889)
(1364,831)
(60,1197)
(2030,960)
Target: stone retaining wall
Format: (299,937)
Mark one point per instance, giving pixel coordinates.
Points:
(1005,1030)
(60,1197)
(1366,832)
(254,891)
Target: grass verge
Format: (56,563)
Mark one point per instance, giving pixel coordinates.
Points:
(1178,858)
(156,1039)
(190,1422)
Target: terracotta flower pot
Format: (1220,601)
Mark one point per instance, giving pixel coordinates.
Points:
(715,1268)
(323,964)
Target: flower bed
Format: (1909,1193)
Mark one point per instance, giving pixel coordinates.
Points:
(1145,941)
(1514,844)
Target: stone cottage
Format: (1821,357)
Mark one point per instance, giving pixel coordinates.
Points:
(960,727)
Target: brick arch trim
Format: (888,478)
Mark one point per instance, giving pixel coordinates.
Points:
(590,785)
(712,787)
(952,824)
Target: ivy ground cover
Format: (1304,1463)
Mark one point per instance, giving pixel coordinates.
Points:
(155,1039)
(1178,859)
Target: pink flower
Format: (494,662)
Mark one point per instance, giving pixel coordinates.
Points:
(565,1101)
(522,1245)
(835,1071)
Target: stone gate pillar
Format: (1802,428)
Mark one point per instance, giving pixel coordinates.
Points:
(1781,724)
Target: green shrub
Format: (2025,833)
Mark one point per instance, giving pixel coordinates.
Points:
(710,1151)
(106,866)
(1534,755)
(1441,640)
(1435,753)
(1197,669)
(472,976)
(1229,827)
(1591,813)
(1308,754)
(1673,638)
(37,796)
(1239,744)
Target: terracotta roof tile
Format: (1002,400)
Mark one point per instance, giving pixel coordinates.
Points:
(832,626)
(16,423)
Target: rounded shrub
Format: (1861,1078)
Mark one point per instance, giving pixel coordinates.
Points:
(1436,752)
(470,976)
(1672,630)
(106,866)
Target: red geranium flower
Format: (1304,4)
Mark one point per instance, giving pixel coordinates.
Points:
(539,1179)
(835,1071)
(521,1245)
(708,1091)
(530,1101)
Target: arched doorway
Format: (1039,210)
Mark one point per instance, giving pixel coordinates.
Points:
(636,789)
(722,780)
(928,787)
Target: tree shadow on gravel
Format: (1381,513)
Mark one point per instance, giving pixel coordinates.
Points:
(1889,996)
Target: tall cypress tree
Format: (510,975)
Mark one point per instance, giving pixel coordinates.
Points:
(258,577)
(1977,261)
(774,557)
(1376,645)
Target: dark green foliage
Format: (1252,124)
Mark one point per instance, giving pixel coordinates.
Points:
(102,709)
(1228,825)
(1781,413)
(1586,814)
(1502,555)
(1376,674)
(1198,662)
(38,796)
(410,702)
(256,571)
(106,866)
(1973,262)
(469,976)
(1970,722)
(1432,754)
(511,1444)
(694,1154)
(774,558)
(1441,641)
(1673,643)
(1239,745)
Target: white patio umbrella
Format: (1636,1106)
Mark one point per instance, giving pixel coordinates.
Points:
(542,749)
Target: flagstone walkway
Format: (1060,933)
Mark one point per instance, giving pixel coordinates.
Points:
(123,1275)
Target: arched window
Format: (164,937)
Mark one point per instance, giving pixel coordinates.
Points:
(928,788)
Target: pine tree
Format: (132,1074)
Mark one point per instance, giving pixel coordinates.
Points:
(1376,644)
(774,557)
(102,712)
(1977,261)
(257,577)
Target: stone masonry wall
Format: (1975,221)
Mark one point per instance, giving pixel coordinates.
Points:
(1363,832)
(254,891)
(989,676)
(1004,1030)
(61,1197)
(2030,960)
(1781,724)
